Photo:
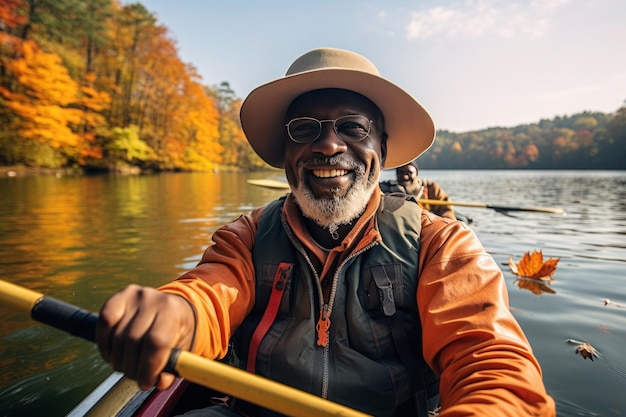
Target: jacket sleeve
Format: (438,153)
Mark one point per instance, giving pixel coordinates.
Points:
(470,338)
(221,287)
(437,193)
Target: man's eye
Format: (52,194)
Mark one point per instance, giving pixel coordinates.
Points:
(352,128)
(304,126)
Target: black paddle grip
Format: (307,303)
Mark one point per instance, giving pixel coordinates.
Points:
(170,366)
(66,317)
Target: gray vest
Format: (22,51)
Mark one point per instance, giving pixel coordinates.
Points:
(373,361)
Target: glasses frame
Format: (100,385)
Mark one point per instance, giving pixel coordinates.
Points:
(321,126)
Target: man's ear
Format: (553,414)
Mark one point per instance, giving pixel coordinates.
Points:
(383,149)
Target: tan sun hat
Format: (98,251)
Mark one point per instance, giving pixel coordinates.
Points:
(410,128)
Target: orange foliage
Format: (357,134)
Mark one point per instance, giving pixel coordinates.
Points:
(137,79)
(8,13)
(176,114)
(534,273)
(41,101)
(531,152)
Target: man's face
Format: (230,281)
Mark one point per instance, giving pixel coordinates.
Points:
(406,175)
(333,178)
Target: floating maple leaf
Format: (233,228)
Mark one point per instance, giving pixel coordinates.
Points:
(535,274)
(533,266)
(585,349)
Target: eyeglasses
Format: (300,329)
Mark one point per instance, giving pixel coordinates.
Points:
(351,128)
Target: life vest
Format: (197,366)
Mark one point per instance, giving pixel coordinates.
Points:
(373,358)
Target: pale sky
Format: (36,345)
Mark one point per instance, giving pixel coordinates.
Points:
(472,63)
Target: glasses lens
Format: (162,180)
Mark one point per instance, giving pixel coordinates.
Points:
(304,129)
(352,128)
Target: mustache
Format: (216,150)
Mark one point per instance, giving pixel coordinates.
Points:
(329,161)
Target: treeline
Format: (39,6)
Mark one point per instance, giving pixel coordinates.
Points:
(92,84)
(588,140)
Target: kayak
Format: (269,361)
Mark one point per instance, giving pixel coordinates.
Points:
(120,396)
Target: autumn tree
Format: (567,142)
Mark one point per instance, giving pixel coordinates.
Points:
(613,153)
(42,98)
(236,149)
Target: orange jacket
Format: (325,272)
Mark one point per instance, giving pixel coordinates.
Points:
(470,338)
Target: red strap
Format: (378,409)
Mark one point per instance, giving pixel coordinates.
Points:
(278,288)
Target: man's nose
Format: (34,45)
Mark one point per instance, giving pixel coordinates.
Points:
(329,143)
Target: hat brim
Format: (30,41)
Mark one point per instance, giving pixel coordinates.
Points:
(409,127)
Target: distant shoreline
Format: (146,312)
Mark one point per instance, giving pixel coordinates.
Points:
(24,171)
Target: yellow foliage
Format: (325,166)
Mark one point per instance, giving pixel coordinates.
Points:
(43,76)
(45,90)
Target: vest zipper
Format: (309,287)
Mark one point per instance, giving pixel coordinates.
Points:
(323,324)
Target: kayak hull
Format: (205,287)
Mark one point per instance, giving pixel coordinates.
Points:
(121,397)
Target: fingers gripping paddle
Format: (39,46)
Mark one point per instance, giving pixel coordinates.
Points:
(212,374)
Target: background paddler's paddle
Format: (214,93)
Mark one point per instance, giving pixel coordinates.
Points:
(282,185)
(270,183)
(205,372)
(491,206)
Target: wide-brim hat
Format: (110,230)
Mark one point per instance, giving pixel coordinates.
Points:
(409,127)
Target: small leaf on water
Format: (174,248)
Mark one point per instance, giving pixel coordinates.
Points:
(586,351)
(607,302)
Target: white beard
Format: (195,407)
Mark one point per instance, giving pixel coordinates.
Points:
(332,211)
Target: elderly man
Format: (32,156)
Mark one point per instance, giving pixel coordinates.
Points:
(336,289)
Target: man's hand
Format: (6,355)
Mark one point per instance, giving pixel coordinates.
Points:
(137,329)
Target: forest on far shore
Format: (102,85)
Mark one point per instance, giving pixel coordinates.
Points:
(93,85)
(588,140)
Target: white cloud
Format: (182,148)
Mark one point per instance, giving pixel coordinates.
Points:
(476,18)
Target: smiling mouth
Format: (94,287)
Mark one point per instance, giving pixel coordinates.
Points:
(329,173)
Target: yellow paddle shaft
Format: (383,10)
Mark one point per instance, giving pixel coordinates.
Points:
(18,297)
(490,206)
(258,390)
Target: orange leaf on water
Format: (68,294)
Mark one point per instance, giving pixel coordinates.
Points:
(534,274)
(533,266)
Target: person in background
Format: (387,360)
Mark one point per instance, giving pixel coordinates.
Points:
(407,181)
(337,289)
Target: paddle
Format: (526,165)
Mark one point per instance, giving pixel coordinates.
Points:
(212,374)
(269,183)
(282,185)
(493,207)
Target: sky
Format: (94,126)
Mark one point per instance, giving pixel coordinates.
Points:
(473,64)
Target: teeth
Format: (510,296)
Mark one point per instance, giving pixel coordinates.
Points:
(329,173)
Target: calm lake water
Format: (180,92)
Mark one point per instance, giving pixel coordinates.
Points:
(79,239)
